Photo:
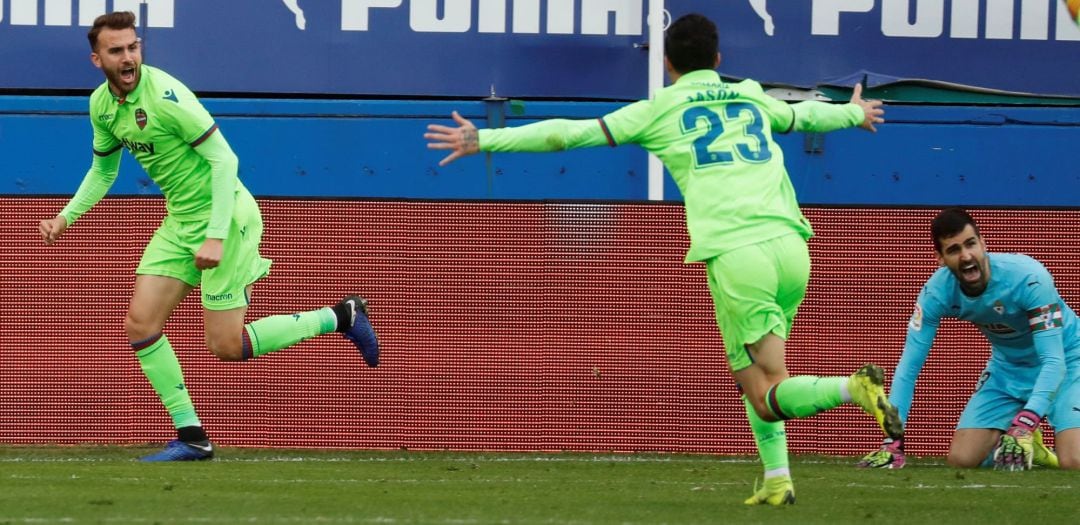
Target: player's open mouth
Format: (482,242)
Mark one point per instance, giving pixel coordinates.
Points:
(127,74)
(971,272)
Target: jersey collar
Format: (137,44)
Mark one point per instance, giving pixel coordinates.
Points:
(707,76)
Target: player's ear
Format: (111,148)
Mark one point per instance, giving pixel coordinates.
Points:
(717,64)
(95,59)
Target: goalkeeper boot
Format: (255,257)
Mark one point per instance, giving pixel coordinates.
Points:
(1043,455)
(178,450)
(776,491)
(867,388)
(360,331)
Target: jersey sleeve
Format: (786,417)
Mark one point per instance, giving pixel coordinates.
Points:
(1044,313)
(190,121)
(103,169)
(94,186)
(186,117)
(781,114)
(816,116)
(626,124)
(921,330)
(223,183)
(105,143)
(546,135)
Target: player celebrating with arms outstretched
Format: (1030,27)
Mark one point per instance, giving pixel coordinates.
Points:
(744,221)
(210,236)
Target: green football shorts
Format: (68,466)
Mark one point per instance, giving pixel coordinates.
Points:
(171,253)
(756,290)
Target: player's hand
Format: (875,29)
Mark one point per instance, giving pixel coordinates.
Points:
(890,455)
(461,141)
(1016,447)
(52,229)
(209,254)
(872,110)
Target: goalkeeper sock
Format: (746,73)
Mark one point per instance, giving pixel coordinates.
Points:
(159,364)
(282,331)
(804,396)
(771,441)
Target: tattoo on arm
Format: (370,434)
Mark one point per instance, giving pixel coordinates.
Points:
(470,140)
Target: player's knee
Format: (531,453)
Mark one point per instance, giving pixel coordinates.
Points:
(1069,461)
(959,460)
(225,349)
(138,329)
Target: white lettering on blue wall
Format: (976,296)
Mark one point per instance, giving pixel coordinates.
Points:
(926,19)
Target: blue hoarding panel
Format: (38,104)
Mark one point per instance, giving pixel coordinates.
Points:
(993,156)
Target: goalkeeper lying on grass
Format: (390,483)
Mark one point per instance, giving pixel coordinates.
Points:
(1034,367)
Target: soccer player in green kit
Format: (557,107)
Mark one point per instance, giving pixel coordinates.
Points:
(744,222)
(210,236)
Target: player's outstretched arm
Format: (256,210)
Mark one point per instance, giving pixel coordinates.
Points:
(52,229)
(461,141)
(874,114)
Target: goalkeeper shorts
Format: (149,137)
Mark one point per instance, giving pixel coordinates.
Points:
(1002,392)
(756,291)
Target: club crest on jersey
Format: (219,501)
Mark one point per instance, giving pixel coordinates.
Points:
(915,323)
(999,308)
(140,118)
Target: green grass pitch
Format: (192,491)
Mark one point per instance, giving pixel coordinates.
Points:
(106,485)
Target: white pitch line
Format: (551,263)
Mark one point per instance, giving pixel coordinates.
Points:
(970,486)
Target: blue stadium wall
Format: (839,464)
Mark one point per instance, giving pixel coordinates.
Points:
(924,156)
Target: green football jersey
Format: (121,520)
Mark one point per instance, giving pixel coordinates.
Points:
(716,140)
(160,123)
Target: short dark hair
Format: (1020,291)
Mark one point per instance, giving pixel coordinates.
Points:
(949,222)
(115,20)
(691,43)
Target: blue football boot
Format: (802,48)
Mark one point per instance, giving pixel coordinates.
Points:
(178,450)
(360,331)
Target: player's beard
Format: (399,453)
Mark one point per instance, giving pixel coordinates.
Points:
(120,84)
(976,287)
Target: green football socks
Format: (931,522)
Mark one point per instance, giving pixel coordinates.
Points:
(159,364)
(771,440)
(804,396)
(282,331)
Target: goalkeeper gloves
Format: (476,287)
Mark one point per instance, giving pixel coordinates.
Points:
(1016,447)
(890,455)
